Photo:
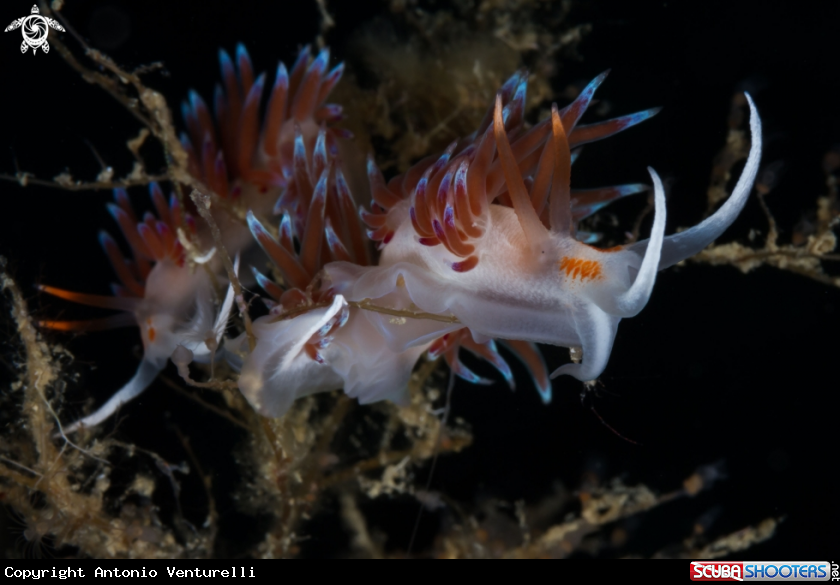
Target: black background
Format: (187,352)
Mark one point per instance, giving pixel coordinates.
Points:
(719,366)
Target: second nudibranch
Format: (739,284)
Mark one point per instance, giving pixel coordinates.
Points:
(247,165)
(171,302)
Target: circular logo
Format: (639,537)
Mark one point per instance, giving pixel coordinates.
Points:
(34,30)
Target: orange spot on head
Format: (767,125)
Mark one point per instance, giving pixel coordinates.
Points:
(613,249)
(578,267)
(150,330)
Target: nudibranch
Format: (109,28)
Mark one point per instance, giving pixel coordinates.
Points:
(246,166)
(171,303)
(485,235)
(453,248)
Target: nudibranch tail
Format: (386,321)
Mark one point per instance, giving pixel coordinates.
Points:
(146,373)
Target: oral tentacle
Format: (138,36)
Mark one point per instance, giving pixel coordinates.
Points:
(678,247)
(629,303)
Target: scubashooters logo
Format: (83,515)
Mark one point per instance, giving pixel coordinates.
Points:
(35,29)
(761,571)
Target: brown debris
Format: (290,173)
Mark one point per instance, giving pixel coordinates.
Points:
(469,48)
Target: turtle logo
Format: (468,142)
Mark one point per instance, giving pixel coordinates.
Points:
(34,30)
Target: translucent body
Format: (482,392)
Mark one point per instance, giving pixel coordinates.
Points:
(177,310)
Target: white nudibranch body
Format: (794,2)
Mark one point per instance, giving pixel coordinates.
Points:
(531,283)
(177,311)
(175,305)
